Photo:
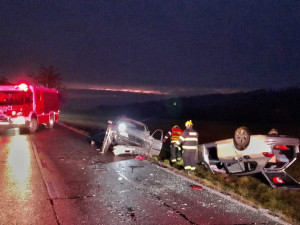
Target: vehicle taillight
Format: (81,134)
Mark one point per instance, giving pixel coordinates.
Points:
(280,147)
(268,154)
(278,180)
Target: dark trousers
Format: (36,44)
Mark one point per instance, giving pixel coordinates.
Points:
(175,153)
(190,158)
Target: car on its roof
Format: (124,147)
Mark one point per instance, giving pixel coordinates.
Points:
(247,154)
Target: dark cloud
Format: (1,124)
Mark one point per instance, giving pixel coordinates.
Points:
(205,44)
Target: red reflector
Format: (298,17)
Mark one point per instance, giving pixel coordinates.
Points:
(278,180)
(140,157)
(196,187)
(268,154)
(280,147)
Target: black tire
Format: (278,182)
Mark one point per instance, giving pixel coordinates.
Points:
(241,138)
(98,139)
(33,125)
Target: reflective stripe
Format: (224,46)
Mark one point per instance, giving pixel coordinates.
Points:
(175,138)
(193,168)
(190,147)
(173,160)
(193,133)
(187,167)
(181,138)
(191,139)
(170,133)
(166,137)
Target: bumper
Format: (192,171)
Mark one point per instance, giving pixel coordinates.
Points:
(13,122)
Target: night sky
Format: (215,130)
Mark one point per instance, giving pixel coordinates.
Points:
(169,46)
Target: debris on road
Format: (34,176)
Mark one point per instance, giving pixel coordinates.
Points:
(133,167)
(196,187)
(140,157)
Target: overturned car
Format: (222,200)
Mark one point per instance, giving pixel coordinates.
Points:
(128,136)
(247,154)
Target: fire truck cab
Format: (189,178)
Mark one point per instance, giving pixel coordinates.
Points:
(27,106)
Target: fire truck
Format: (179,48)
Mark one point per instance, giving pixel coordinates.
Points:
(27,106)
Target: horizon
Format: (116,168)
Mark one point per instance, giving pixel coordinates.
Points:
(80,99)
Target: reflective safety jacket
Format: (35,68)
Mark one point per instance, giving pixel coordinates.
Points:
(188,139)
(175,134)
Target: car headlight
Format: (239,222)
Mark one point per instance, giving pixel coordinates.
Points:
(122,127)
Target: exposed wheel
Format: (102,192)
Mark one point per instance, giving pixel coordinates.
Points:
(241,138)
(33,125)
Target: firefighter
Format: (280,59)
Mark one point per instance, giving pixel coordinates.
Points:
(175,150)
(189,142)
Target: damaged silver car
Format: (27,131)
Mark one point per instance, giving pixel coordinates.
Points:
(128,136)
(247,154)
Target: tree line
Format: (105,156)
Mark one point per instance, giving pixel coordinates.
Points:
(48,77)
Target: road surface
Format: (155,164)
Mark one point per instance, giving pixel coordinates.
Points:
(54,176)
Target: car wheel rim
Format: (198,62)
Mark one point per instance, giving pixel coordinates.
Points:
(241,137)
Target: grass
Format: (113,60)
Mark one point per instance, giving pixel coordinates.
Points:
(250,189)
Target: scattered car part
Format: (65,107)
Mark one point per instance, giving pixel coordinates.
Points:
(196,187)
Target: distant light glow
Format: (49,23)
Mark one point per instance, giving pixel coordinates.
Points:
(159,90)
(130,90)
(117,89)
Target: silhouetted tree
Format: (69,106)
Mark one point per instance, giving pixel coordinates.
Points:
(48,77)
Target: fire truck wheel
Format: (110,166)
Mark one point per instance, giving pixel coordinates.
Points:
(33,125)
(51,123)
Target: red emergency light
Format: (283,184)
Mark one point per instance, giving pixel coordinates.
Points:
(23,86)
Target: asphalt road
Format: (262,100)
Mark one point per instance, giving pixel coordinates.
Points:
(55,177)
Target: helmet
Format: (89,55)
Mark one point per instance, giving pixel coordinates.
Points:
(176,126)
(188,123)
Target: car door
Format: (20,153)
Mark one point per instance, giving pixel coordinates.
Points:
(156,142)
(280,179)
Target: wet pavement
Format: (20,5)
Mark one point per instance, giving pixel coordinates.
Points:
(79,185)
(24,198)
